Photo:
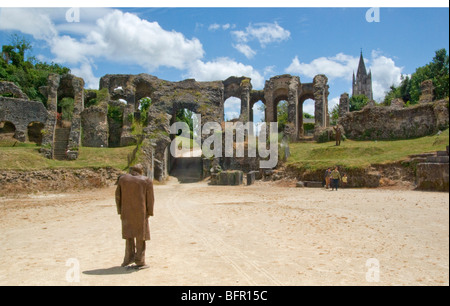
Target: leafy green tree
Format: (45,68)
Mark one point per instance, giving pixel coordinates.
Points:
(358,102)
(282,115)
(187,116)
(25,71)
(437,71)
(334,115)
(144,105)
(308,116)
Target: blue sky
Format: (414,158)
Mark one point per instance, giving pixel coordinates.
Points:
(215,43)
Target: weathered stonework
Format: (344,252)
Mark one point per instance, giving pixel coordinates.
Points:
(377,122)
(9,88)
(344,105)
(59,87)
(398,103)
(21,113)
(433,173)
(426,91)
(289,88)
(94,122)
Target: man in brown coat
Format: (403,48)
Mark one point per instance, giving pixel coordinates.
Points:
(135,201)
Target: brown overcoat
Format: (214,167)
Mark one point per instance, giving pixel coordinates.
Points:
(135,201)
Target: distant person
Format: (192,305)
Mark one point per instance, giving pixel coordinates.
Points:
(135,201)
(335,178)
(338,133)
(327,178)
(344,180)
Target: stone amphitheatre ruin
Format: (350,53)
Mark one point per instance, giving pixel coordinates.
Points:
(93,126)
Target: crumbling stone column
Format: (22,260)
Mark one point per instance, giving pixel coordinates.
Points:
(246,88)
(292,107)
(268,96)
(427,91)
(94,122)
(344,105)
(48,133)
(320,89)
(75,130)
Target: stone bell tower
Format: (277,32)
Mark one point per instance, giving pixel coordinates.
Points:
(362,84)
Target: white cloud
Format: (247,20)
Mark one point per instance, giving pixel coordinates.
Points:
(226,26)
(110,34)
(232,108)
(339,66)
(118,36)
(332,103)
(246,50)
(124,37)
(222,68)
(215,26)
(384,70)
(85,72)
(384,74)
(34,22)
(264,33)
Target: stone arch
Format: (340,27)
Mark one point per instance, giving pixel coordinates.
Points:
(143,90)
(7,129)
(59,87)
(11,89)
(239,88)
(281,94)
(230,103)
(300,112)
(186,167)
(34,132)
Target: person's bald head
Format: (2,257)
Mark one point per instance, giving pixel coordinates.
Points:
(136,169)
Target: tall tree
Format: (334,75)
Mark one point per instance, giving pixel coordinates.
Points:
(17,66)
(437,71)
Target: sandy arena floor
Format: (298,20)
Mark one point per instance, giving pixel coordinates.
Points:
(264,234)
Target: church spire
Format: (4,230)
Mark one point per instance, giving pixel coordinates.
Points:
(362,84)
(361,67)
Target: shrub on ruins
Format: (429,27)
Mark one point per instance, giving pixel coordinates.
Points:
(26,71)
(409,89)
(357,102)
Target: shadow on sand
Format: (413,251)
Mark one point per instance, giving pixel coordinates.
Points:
(111,271)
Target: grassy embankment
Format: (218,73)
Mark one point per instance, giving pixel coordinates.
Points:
(25,156)
(361,154)
(304,156)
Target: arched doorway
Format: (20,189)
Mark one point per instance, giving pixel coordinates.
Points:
(281,114)
(35,132)
(231,109)
(7,130)
(258,115)
(185,165)
(305,119)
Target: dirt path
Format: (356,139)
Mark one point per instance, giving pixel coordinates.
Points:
(263,234)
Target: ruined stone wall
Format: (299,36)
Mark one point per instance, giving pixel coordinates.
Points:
(94,121)
(344,105)
(21,113)
(10,88)
(377,122)
(60,86)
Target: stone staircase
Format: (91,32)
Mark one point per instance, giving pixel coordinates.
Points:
(433,172)
(60,143)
